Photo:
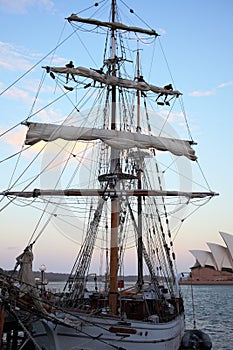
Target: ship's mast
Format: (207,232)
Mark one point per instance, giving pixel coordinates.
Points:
(113,189)
(114,199)
(139,175)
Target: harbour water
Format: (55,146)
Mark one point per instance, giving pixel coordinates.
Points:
(212,311)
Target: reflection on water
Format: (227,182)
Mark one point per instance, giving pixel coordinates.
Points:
(213,311)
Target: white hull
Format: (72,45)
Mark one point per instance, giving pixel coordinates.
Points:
(93,333)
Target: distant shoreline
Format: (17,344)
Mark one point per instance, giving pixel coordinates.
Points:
(206,283)
(62,277)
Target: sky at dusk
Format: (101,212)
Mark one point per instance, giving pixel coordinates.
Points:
(197,38)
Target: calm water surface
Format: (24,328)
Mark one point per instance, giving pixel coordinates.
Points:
(213,311)
(213,308)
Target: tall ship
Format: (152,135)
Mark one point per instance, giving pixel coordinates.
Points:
(110,171)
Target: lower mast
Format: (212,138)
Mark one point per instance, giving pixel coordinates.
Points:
(113,293)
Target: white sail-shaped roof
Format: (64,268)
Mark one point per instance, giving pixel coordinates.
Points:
(114,138)
(227,262)
(204,257)
(221,256)
(228,239)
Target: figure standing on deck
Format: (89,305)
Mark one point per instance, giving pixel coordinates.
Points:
(25,275)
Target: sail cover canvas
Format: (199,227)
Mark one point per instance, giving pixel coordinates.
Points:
(117,139)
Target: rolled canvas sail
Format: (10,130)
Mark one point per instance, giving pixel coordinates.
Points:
(114,138)
(112,80)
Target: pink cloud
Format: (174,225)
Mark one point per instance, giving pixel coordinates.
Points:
(15,137)
(23,6)
(202,93)
(211,92)
(18,94)
(229,83)
(14,58)
(162,31)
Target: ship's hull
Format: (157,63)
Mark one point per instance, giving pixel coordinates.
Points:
(105,333)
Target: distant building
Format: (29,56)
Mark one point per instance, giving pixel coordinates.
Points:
(214,266)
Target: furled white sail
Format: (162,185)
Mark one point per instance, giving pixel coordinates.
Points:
(112,80)
(114,138)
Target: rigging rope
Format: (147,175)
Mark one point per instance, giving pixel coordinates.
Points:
(15,154)
(42,313)
(166,120)
(167,250)
(17,162)
(55,209)
(38,111)
(133,12)
(25,330)
(90,7)
(35,65)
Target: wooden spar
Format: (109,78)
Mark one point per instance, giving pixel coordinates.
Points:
(106,193)
(112,25)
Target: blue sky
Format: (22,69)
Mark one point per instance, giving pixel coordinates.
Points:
(197,38)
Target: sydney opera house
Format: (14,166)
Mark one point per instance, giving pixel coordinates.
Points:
(213,266)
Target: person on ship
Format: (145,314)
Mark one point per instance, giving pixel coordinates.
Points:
(70,65)
(100,71)
(166,87)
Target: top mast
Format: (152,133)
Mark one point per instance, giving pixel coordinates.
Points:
(113,57)
(140,281)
